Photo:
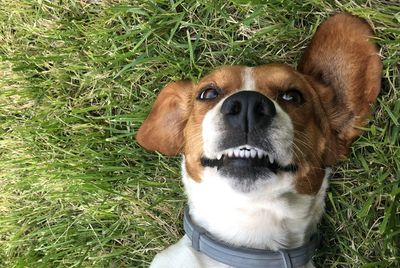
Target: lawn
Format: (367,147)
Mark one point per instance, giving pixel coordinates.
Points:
(78,77)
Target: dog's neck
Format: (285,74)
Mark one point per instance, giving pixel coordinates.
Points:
(273,218)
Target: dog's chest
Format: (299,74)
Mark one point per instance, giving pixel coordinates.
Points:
(271,219)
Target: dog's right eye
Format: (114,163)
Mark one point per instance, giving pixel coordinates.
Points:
(292,96)
(209,93)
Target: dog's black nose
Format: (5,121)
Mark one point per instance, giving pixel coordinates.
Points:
(248,109)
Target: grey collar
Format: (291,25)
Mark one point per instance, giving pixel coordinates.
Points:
(242,257)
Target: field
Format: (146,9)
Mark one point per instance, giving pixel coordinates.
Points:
(78,77)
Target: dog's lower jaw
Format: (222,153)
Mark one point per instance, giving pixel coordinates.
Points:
(272,218)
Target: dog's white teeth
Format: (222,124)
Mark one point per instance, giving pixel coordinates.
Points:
(245,152)
(253,153)
(271,159)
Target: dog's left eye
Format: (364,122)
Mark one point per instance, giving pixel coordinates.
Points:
(208,93)
(292,95)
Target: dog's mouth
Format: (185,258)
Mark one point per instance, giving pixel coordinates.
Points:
(247,157)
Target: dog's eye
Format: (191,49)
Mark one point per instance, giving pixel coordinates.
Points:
(292,95)
(208,93)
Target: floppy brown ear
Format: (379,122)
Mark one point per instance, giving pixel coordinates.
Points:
(345,70)
(162,130)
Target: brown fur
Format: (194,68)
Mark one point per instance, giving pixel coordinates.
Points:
(338,75)
(162,130)
(345,71)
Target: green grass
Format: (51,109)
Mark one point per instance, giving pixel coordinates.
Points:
(78,77)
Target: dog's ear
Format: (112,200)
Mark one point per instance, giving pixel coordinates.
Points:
(162,131)
(344,67)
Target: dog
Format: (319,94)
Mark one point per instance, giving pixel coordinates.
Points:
(257,146)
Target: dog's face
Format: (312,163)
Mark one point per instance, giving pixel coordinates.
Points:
(254,126)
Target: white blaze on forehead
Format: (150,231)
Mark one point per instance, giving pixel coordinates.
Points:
(248,82)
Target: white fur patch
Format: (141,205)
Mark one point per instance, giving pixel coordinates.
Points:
(248,82)
(273,216)
(211,129)
(282,136)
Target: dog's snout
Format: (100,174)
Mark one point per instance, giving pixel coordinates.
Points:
(248,109)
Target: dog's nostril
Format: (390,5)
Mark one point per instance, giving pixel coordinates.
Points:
(264,108)
(236,108)
(259,108)
(233,108)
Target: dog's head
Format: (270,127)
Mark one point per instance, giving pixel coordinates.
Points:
(251,126)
